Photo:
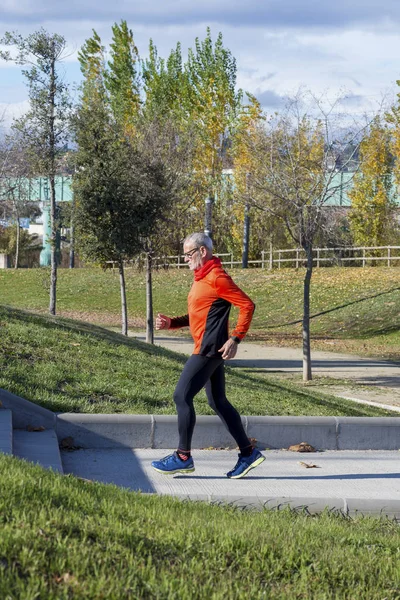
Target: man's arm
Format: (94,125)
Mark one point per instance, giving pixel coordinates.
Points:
(228,290)
(164,322)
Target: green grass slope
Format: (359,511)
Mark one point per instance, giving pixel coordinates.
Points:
(64,538)
(361,306)
(66,365)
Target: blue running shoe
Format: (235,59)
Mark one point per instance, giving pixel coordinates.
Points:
(245,464)
(171,464)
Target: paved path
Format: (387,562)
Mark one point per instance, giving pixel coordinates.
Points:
(367,481)
(380,379)
(350,481)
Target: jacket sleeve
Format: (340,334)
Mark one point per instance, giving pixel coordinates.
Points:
(228,290)
(177,322)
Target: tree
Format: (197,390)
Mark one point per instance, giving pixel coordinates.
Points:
(245,133)
(163,81)
(164,111)
(161,141)
(297,154)
(92,65)
(14,189)
(121,79)
(201,99)
(118,192)
(44,129)
(372,202)
(211,102)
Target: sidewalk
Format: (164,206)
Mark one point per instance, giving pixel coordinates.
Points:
(371,381)
(350,481)
(365,481)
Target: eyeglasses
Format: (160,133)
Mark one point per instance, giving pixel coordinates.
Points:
(190,253)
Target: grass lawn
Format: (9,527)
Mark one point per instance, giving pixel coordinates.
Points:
(66,365)
(63,538)
(363,304)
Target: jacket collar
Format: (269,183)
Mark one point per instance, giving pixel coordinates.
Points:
(202,271)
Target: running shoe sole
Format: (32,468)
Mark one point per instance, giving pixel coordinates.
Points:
(254,464)
(184,471)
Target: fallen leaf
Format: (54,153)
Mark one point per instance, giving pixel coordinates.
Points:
(73,344)
(35,428)
(309,465)
(66,578)
(302,447)
(68,444)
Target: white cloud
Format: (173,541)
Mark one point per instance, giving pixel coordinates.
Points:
(279,45)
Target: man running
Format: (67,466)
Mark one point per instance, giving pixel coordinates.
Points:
(209,303)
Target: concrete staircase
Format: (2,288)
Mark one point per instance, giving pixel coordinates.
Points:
(23,436)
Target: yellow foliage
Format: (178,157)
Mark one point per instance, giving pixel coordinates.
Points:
(371,196)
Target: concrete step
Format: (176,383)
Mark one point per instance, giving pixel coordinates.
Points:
(38,446)
(6,431)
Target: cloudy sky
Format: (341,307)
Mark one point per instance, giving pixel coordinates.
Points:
(349,47)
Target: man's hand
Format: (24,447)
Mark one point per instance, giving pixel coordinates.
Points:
(229,349)
(162,322)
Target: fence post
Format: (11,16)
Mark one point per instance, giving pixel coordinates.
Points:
(231,260)
(297,258)
(271,257)
(279,259)
(317,257)
(262,259)
(389,256)
(363,262)
(179,261)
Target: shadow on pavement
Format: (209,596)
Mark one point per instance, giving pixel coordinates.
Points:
(300,477)
(119,467)
(323,364)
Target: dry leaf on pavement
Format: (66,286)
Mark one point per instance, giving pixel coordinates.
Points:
(302,447)
(68,444)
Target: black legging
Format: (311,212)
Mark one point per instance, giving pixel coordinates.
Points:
(198,372)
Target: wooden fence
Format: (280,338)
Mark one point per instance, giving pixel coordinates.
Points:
(295,258)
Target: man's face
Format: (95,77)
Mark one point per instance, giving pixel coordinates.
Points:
(194,255)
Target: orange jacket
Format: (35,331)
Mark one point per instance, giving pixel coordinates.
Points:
(209,303)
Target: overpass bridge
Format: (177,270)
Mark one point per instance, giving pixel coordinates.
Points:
(37,189)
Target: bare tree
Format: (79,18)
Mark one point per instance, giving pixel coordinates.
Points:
(298,155)
(161,140)
(14,187)
(44,128)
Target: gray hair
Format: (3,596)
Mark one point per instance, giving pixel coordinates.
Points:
(199,239)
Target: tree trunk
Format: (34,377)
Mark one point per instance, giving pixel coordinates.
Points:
(208,216)
(307,374)
(53,250)
(52,149)
(149,300)
(72,245)
(17,244)
(72,239)
(246,238)
(124,311)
